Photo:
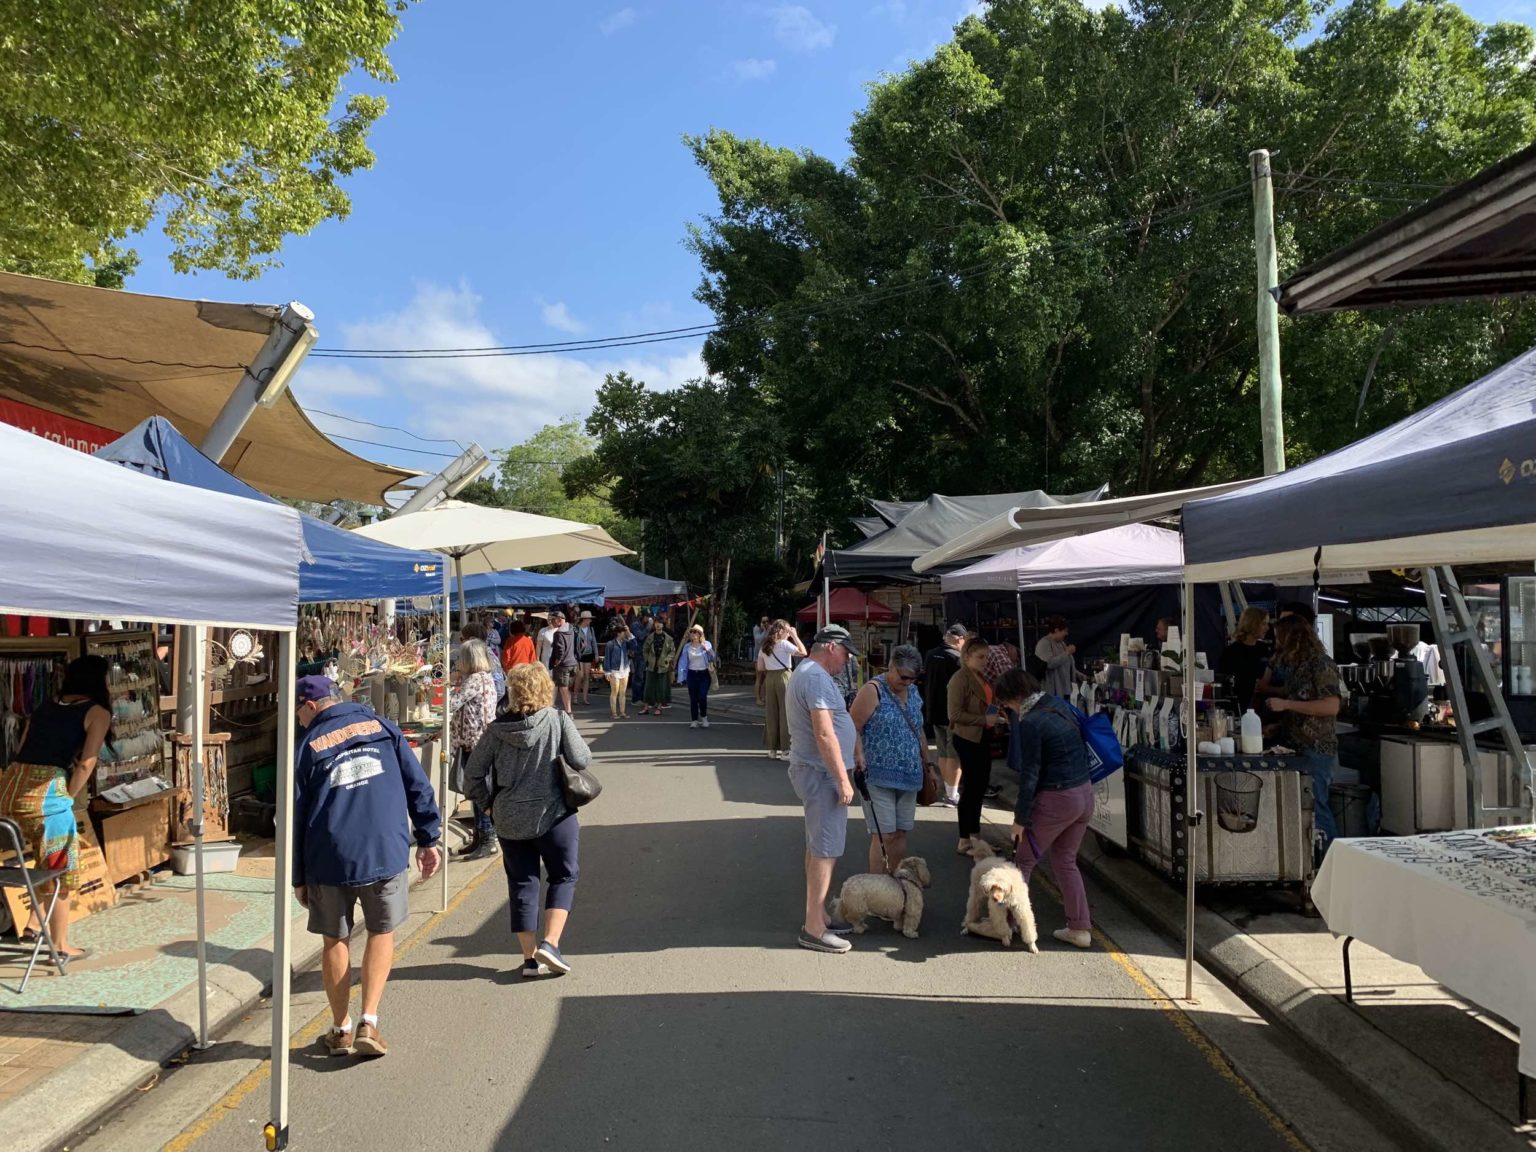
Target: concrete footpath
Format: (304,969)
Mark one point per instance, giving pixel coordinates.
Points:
(66,1069)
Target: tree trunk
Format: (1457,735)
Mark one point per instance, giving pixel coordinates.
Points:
(725,593)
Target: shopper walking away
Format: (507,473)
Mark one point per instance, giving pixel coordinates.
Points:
(658,658)
(1056,655)
(515,772)
(888,715)
(939,667)
(634,647)
(695,663)
(970,715)
(823,753)
(1309,713)
(359,792)
(562,658)
(1055,793)
(586,655)
(616,672)
(776,655)
(474,708)
(57,757)
(518,647)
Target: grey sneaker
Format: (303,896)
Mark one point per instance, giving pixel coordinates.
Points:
(532,969)
(826,942)
(548,954)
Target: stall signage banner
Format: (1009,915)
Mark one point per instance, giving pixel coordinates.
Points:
(65,430)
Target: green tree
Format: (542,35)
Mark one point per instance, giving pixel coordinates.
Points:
(1036,267)
(531,480)
(224,117)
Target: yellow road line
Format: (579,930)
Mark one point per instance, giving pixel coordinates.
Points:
(1186,1027)
(305,1036)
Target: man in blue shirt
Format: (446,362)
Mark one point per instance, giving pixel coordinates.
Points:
(356,781)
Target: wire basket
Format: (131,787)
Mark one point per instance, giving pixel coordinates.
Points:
(1237,800)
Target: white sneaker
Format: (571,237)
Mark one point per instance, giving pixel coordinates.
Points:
(704,723)
(695,724)
(1077,937)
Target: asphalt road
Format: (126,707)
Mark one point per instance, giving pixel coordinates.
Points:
(692,1020)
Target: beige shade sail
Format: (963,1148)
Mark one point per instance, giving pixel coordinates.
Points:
(112,359)
(494,539)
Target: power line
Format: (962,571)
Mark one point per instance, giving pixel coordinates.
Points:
(386,428)
(878,295)
(394,447)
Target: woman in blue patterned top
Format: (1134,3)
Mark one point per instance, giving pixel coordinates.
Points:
(888,715)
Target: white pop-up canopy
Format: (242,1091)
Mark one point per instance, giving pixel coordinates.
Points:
(86,539)
(494,539)
(1133,554)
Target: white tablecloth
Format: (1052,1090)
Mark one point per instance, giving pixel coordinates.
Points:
(1460,905)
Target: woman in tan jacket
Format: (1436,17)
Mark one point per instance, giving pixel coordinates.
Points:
(970,715)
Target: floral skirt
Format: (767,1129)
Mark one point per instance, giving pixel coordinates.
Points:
(36,796)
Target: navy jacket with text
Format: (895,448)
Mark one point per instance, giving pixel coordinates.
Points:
(358,792)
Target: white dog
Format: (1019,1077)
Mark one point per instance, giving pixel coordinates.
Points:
(998,886)
(897,898)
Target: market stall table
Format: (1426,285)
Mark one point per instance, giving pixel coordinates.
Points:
(1460,905)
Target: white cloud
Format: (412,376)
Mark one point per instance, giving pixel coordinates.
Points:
(620,20)
(497,400)
(799,30)
(751,69)
(558,316)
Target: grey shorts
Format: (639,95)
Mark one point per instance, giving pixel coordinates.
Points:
(826,816)
(895,809)
(565,676)
(333,909)
(945,742)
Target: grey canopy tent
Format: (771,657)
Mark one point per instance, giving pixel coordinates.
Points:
(622,584)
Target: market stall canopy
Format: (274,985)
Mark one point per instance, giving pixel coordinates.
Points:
(525,590)
(869,525)
(1026,526)
(339,565)
(112,359)
(484,539)
(1132,554)
(850,604)
(1476,239)
(89,540)
(927,525)
(1453,484)
(622,584)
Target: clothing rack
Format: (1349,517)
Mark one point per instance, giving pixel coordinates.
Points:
(27,680)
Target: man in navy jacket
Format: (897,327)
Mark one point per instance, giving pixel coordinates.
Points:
(356,781)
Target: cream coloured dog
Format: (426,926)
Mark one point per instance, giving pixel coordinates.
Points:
(897,898)
(998,889)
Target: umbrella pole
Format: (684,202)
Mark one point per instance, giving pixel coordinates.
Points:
(444,745)
(458,569)
(282,885)
(1191,792)
(199,792)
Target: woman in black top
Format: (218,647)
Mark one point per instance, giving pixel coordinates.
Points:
(1244,659)
(37,789)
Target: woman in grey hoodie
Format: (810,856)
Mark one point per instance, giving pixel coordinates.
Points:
(515,773)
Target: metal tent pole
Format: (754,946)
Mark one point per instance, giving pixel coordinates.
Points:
(282,884)
(1018,602)
(198,684)
(1191,791)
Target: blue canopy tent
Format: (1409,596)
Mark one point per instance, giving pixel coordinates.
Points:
(339,565)
(518,589)
(622,584)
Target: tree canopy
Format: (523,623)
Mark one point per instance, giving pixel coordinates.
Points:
(1035,268)
(226,118)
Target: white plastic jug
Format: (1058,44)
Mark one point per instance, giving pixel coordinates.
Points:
(1253,733)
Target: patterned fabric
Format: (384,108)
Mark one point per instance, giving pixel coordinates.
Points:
(891,751)
(1314,679)
(999,660)
(36,796)
(474,709)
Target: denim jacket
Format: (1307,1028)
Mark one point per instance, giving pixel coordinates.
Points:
(1046,750)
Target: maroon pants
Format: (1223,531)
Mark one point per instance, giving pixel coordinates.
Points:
(1058,821)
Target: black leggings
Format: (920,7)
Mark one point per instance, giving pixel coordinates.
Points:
(975,776)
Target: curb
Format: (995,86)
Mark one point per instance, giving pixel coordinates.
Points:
(107,1074)
(1375,1067)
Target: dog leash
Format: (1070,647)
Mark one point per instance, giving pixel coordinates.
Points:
(861,782)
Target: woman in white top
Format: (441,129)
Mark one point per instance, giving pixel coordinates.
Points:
(775,657)
(694,660)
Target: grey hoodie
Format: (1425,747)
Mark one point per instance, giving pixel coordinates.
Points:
(515,769)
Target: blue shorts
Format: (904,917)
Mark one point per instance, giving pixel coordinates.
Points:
(826,816)
(895,809)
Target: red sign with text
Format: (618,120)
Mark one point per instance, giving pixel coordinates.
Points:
(65,430)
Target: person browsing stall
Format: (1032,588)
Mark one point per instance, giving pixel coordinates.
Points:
(1057,655)
(970,715)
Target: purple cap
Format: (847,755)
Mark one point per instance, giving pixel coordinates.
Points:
(312,688)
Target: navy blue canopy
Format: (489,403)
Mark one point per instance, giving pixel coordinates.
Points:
(519,589)
(340,565)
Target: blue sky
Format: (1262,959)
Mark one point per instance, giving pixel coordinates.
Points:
(532,186)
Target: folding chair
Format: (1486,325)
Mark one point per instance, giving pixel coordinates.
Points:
(31,879)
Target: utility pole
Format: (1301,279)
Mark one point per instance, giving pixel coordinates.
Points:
(1270,422)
